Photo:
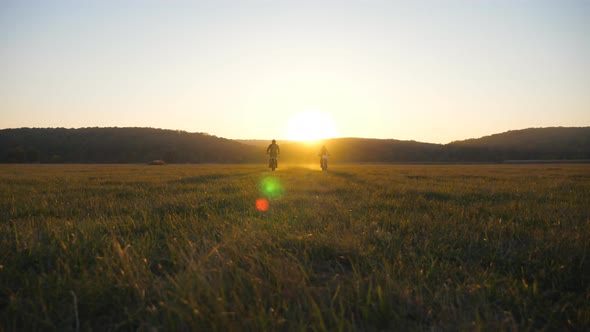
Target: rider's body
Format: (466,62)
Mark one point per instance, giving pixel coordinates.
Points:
(273,149)
(324,157)
(323,151)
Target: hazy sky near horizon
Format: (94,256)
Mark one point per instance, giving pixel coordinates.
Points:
(431,71)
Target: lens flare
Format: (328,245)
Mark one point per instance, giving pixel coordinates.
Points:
(271,187)
(262,204)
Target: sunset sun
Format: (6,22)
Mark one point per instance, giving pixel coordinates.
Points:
(310,125)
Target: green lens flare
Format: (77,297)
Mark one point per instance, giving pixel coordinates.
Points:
(271,187)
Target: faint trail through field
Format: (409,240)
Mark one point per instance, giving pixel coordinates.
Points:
(209,177)
(350,177)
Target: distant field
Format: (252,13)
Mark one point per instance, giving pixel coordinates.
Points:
(360,247)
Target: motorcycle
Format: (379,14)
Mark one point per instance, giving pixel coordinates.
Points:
(273,163)
(324,162)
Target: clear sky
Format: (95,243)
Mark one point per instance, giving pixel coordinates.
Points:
(431,71)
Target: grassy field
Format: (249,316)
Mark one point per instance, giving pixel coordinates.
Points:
(233,248)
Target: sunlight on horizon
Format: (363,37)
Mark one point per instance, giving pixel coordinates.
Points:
(309,126)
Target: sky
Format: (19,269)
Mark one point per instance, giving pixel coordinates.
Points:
(431,71)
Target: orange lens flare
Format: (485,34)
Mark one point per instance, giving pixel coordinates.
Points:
(262,204)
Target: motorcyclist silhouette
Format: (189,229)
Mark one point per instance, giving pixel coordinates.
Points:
(324,158)
(273,150)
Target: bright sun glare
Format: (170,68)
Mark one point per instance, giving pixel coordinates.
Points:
(310,125)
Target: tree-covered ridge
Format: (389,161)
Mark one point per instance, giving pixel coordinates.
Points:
(533,143)
(140,145)
(117,145)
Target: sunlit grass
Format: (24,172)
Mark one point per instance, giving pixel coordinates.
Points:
(361,247)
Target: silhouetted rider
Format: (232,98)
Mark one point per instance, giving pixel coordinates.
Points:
(273,149)
(323,151)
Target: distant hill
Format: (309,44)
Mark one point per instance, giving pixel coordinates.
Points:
(118,145)
(383,150)
(141,145)
(553,143)
(355,150)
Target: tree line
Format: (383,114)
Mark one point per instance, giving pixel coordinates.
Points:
(142,145)
(117,145)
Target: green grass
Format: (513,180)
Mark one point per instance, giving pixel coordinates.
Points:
(361,247)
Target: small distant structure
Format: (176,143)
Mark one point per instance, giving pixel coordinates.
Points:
(157,162)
